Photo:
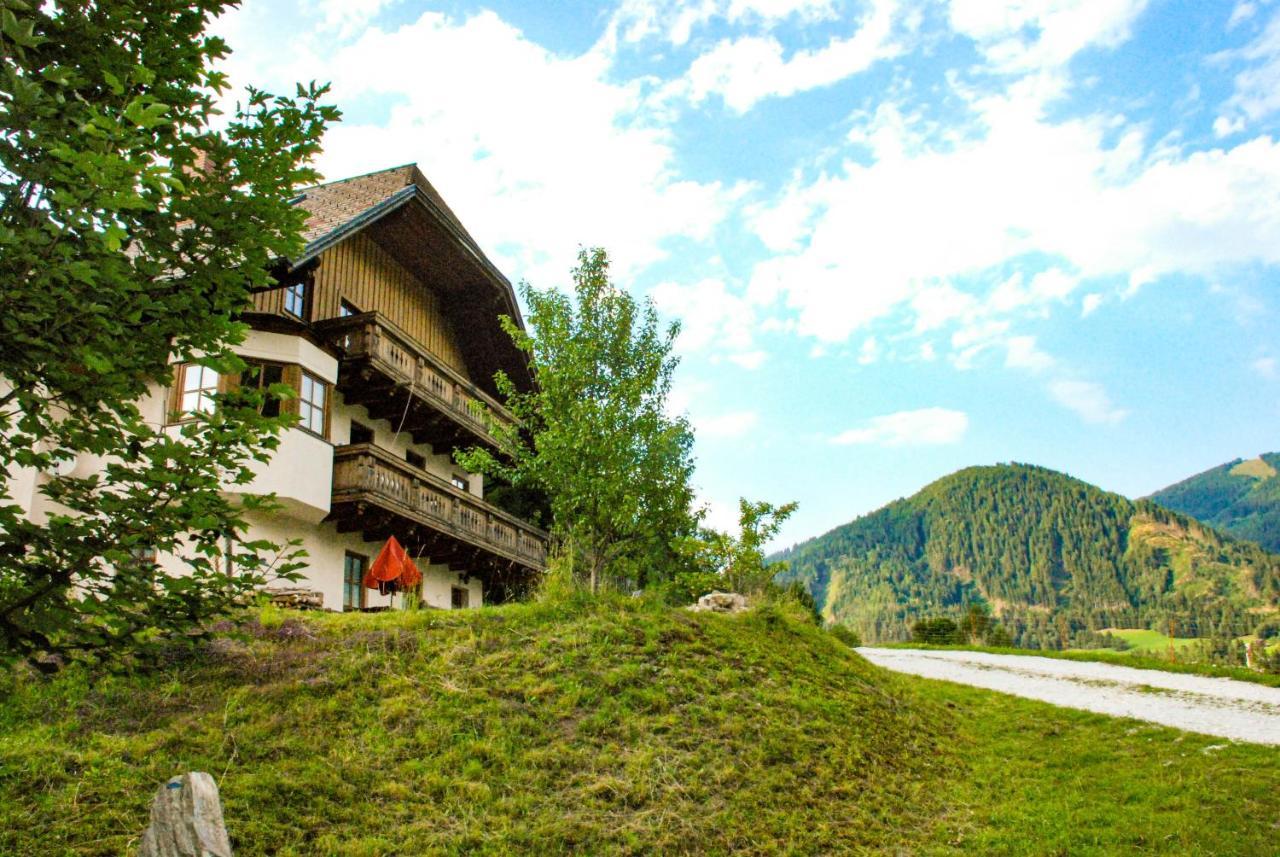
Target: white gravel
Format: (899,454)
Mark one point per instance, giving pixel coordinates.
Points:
(1223,707)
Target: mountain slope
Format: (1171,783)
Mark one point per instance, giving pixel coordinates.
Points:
(1241,497)
(1054,557)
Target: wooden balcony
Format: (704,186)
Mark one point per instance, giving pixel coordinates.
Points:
(379,494)
(397,379)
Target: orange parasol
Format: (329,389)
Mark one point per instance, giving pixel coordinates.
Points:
(392,570)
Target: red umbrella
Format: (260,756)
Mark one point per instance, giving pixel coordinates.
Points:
(392,570)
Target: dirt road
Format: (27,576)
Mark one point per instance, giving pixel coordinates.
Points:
(1215,706)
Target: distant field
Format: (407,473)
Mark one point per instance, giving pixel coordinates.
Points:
(1255,467)
(1142,640)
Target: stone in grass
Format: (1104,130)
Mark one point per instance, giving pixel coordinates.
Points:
(720,602)
(186,820)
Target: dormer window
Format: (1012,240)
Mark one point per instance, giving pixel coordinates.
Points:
(459,482)
(295,300)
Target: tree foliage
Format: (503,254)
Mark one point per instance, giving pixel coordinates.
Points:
(132,230)
(1059,560)
(1242,504)
(595,437)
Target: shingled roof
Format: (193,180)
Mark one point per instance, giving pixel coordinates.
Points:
(337,208)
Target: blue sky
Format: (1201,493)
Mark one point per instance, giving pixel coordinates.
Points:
(904,236)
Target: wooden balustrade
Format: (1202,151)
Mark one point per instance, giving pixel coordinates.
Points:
(367,472)
(373,337)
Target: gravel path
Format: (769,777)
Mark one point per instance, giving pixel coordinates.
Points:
(1215,706)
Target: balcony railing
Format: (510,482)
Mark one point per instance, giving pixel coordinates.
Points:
(363,472)
(372,337)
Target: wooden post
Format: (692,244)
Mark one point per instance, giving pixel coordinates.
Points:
(186,820)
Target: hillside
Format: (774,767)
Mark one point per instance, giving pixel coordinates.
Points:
(611,726)
(1055,558)
(1241,497)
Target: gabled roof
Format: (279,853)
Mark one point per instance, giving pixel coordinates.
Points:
(393,198)
(340,207)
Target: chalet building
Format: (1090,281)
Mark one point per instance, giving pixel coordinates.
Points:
(387,328)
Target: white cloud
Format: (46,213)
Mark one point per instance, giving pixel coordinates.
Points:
(711,318)
(1090,304)
(747,70)
(748,359)
(1087,399)
(1020,35)
(924,427)
(927,222)
(1257,87)
(1267,367)
(538,153)
(1243,11)
(346,16)
(808,11)
(675,20)
(726,425)
(869,352)
(1023,353)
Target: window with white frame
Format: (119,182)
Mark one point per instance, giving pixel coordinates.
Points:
(295,299)
(311,404)
(199,384)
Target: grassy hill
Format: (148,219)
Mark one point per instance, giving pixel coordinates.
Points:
(1241,497)
(611,726)
(1056,558)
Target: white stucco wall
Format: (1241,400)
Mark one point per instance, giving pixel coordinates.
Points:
(285,348)
(300,474)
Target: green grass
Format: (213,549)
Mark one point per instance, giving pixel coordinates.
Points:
(614,726)
(1052,781)
(1145,641)
(1110,656)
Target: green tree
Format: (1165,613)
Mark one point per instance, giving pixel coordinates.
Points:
(594,434)
(758,522)
(132,231)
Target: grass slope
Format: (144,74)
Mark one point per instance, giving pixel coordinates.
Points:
(610,727)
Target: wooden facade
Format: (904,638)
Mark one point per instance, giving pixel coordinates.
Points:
(360,272)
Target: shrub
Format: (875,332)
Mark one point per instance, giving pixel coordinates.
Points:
(846,635)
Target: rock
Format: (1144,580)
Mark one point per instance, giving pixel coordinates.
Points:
(295,598)
(720,602)
(186,820)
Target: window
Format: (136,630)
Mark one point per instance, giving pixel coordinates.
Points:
(199,383)
(460,598)
(459,482)
(311,404)
(415,460)
(295,300)
(353,581)
(261,376)
(360,433)
(347,308)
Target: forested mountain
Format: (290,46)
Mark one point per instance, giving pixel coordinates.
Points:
(1241,498)
(1056,559)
